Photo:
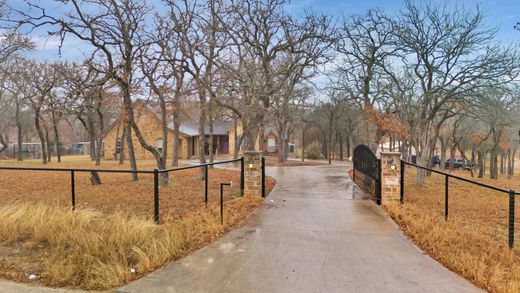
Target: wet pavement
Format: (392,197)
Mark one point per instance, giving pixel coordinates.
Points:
(314,233)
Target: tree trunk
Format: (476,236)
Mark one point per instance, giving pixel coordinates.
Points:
(211,135)
(444,149)
(3,144)
(19,141)
(101,132)
(40,136)
(513,163)
(329,149)
(94,178)
(19,127)
(484,163)
(131,152)
(340,147)
(161,161)
(116,140)
(56,138)
(480,164)
(261,138)
(348,147)
(303,143)
(47,147)
(281,143)
(502,159)
(122,149)
(493,166)
(202,134)
(175,154)
(509,174)
(236,147)
(92,137)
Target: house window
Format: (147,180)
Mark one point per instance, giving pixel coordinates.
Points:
(159,145)
(291,148)
(271,145)
(118,146)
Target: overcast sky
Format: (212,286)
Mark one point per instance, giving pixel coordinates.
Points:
(501,13)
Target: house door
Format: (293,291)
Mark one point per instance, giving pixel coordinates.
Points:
(271,145)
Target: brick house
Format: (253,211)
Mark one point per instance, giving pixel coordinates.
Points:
(148,119)
(147,116)
(270,142)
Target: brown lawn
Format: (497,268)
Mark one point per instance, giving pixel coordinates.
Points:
(111,230)
(473,242)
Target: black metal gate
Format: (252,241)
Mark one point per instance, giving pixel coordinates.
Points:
(367,171)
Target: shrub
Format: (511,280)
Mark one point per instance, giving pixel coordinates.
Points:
(313,151)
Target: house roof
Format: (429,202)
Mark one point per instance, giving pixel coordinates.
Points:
(191,128)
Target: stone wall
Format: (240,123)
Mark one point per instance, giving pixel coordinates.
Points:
(390,177)
(253,173)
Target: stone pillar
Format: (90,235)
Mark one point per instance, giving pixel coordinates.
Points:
(390,177)
(252,173)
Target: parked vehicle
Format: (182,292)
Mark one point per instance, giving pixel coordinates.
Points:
(460,164)
(436,161)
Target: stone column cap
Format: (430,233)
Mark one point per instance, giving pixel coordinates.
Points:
(390,153)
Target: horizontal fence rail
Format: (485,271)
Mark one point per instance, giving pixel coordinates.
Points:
(155,173)
(510,192)
(77,170)
(199,165)
(460,178)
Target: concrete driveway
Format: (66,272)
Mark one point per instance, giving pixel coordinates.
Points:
(312,235)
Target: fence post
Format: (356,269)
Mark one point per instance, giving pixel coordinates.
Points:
(206,185)
(401,196)
(222,201)
(511,218)
(446,191)
(379,182)
(156,196)
(242,170)
(73,190)
(263,176)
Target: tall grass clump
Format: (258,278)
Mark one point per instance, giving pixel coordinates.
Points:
(477,257)
(91,250)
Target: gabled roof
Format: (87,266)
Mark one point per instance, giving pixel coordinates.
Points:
(191,128)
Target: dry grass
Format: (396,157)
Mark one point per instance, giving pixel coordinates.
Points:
(184,194)
(111,230)
(473,242)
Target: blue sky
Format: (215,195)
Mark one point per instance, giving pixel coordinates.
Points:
(501,13)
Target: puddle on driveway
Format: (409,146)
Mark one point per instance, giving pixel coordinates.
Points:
(333,179)
(358,193)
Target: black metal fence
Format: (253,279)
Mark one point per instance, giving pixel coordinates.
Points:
(367,163)
(155,172)
(511,193)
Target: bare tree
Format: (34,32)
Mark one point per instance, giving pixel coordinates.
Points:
(42,78)
(112,29)
(447,55)
(364,45)
(261,34)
